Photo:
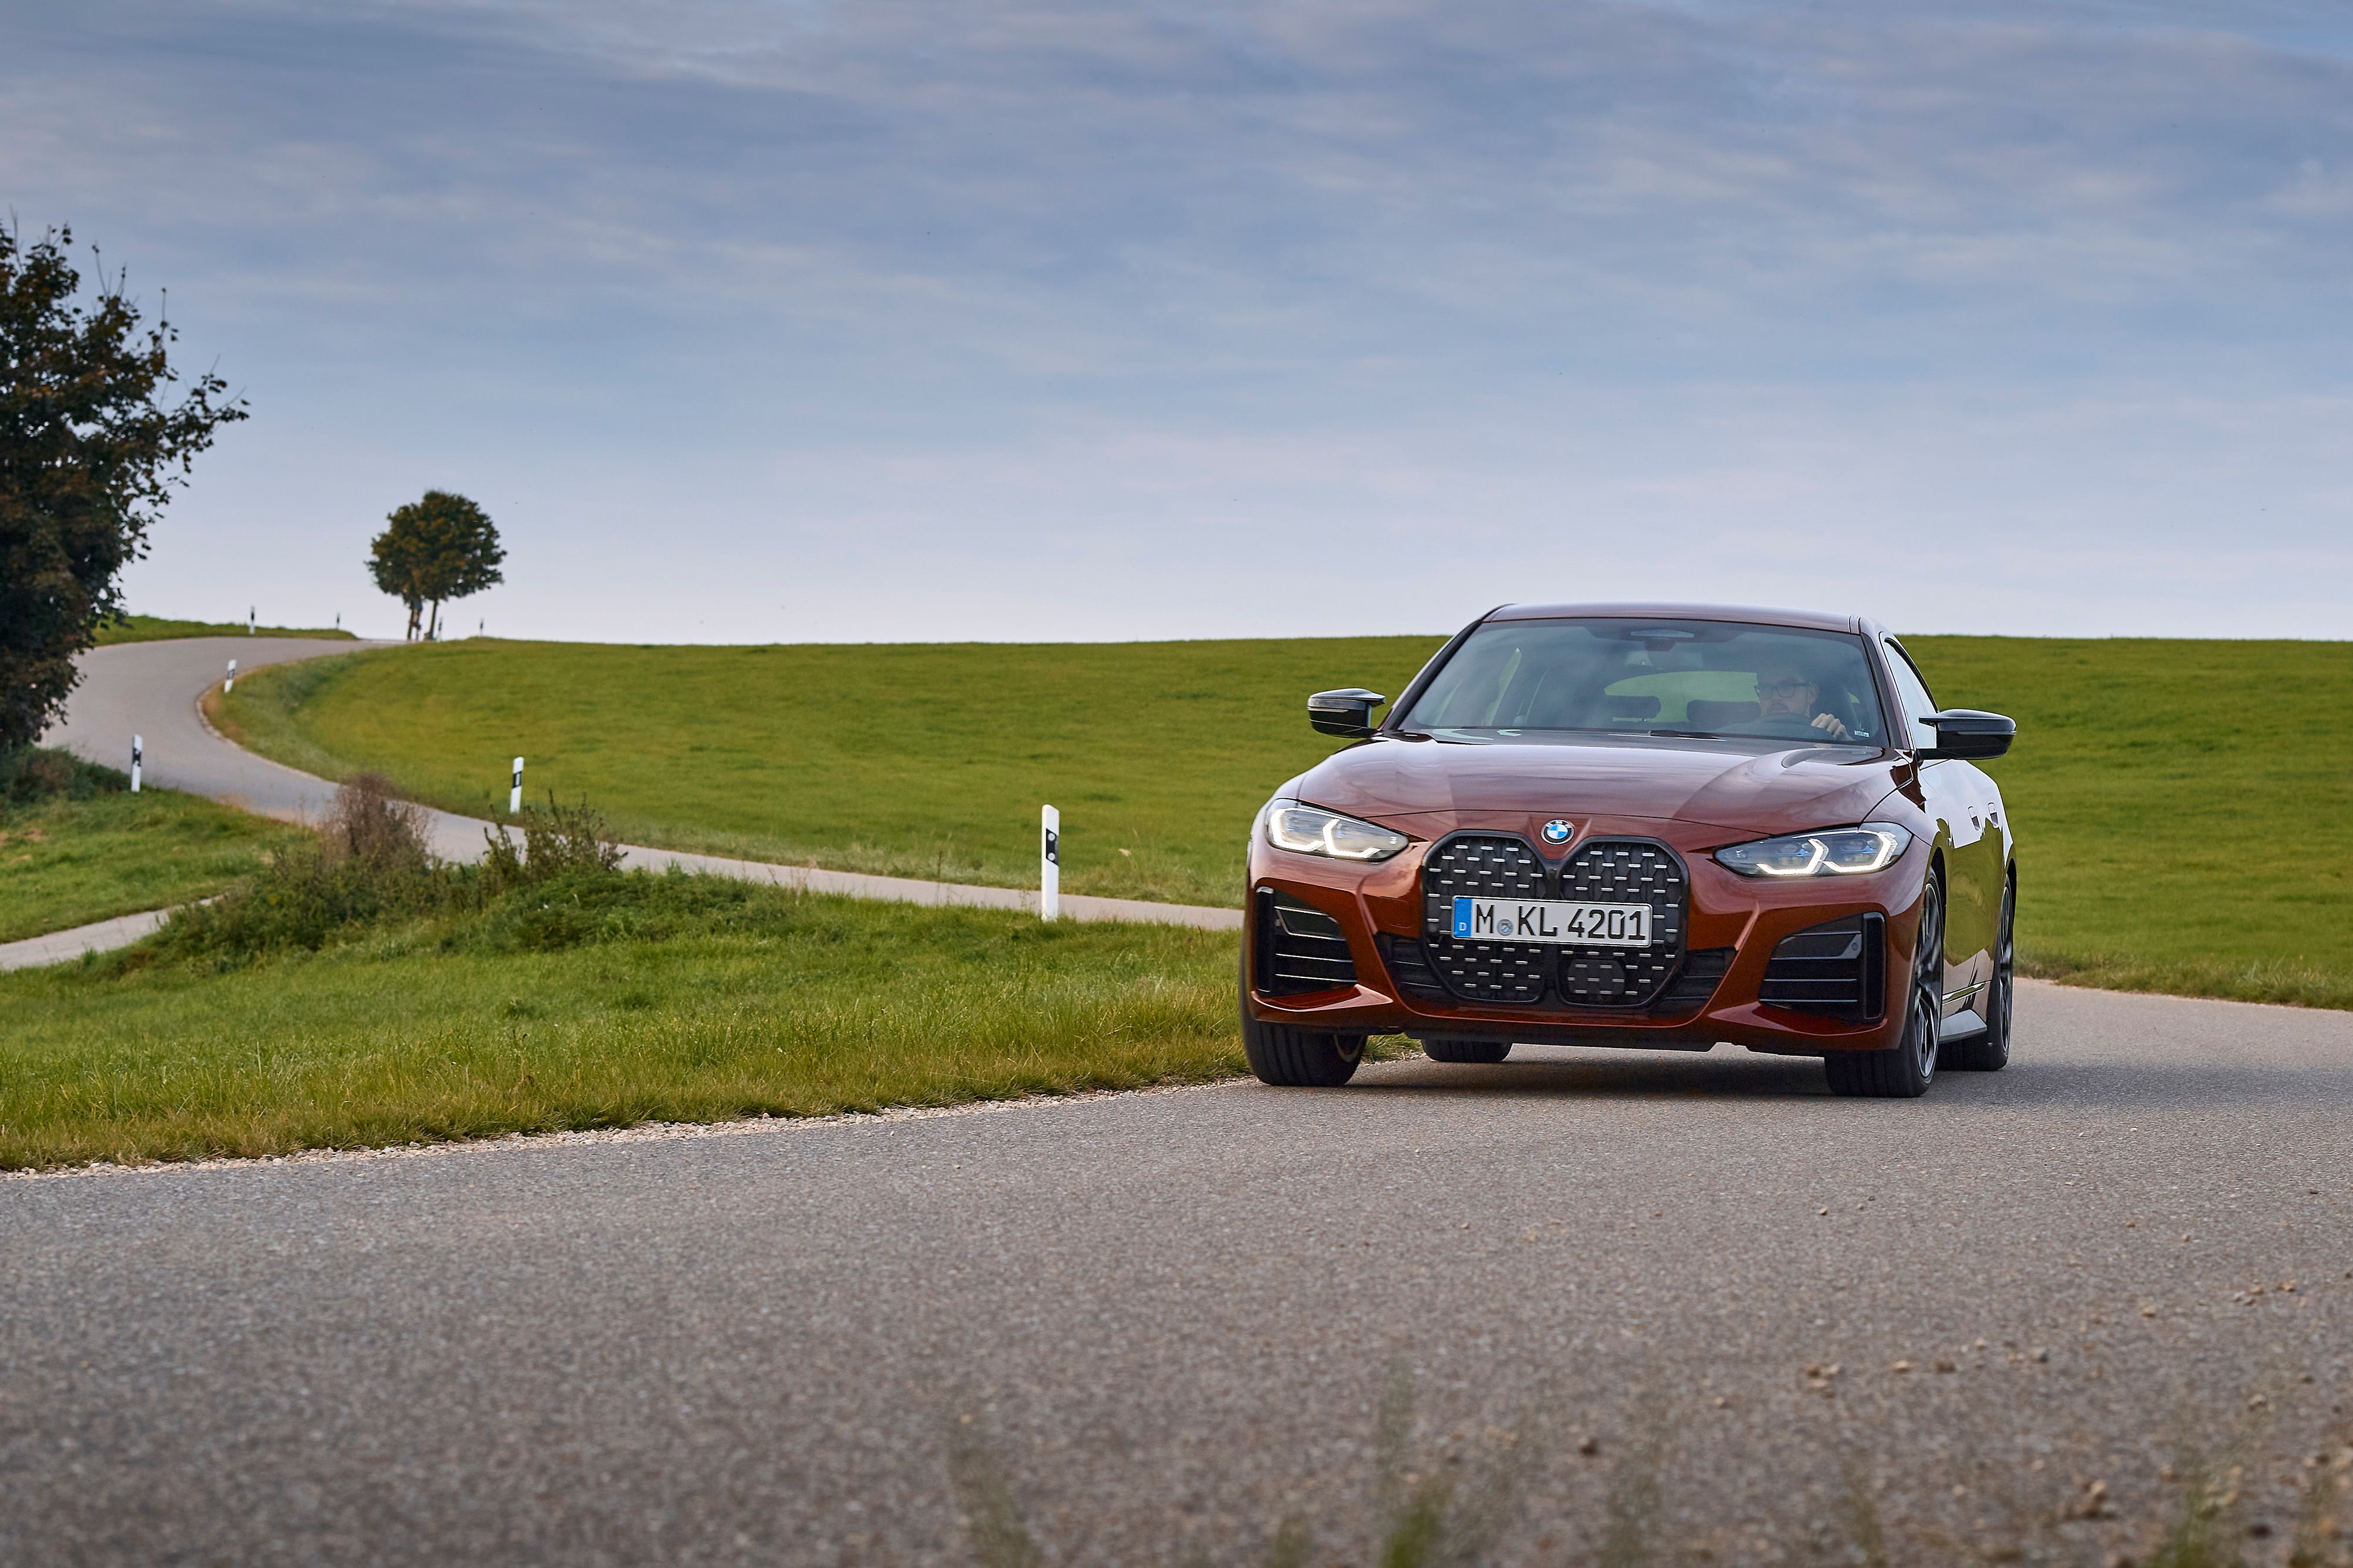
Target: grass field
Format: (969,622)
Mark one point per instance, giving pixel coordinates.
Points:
(2184,808)
(596,1002)
(155,629)
(2184,804)
(914,760)
(66,862)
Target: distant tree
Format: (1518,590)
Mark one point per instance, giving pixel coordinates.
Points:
(442,547)
(89,453)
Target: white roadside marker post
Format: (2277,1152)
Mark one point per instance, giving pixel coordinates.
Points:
(230,684)
(514,795)
(138,750)
(1049,870)
(248,620)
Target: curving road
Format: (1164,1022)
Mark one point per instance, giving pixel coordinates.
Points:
(152,689)
(1148,1328)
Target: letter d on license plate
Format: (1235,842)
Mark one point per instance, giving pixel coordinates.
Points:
(1580,925)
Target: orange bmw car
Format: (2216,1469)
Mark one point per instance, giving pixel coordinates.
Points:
(1656,825)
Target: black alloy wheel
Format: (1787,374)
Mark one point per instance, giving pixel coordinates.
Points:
(1905,1072)
(1466,1050)
(1989,1052)
(1296,1058)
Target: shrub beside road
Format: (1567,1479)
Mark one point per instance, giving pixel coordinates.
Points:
(2186,806)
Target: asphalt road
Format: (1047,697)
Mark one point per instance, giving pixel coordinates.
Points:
(1170,1319)
(152,689)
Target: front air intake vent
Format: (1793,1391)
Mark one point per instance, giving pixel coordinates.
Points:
(1695,981)
(1408,963)
(1837,967)
(1300,948)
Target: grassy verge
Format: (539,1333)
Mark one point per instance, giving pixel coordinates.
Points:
(155,628)
(84,849)
(592,1001)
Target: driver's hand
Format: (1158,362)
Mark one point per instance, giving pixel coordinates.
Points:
(1829,725)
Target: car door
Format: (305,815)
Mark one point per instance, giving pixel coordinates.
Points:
(1958,796)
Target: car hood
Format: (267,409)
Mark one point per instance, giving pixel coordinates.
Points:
(1726,785)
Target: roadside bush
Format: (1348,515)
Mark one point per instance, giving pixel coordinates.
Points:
(33,775)
(557,841)
(373,827)
(371,864)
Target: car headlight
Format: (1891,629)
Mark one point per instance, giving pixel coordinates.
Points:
(1312,830)
(1832,852)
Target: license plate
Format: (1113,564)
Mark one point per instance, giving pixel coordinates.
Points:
(1585,925)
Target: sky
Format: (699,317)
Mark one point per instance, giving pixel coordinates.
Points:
(916,319)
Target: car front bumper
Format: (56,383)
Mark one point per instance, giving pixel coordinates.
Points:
(1379,909)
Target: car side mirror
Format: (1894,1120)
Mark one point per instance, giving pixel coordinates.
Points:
(1967,732)
(1348,712)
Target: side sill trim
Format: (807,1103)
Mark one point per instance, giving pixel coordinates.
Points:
(1960,1027)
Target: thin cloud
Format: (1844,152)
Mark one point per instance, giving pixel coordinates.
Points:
(1113,283)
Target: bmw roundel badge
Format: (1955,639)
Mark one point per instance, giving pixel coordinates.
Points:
(1559,832)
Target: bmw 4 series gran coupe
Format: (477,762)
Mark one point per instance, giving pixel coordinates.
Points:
(1655,825)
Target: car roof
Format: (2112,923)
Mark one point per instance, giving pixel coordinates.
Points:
(1811,620)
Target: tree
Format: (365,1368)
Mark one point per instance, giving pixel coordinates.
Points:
(442,547)
(89,454)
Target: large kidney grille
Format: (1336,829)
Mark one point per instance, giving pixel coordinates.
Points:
(1603,870)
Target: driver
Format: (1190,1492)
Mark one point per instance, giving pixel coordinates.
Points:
(1785,691)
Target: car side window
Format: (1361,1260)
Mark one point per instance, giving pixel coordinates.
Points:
(1913,693)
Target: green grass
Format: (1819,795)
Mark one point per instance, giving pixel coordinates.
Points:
(2183,806)
(155,629)
(596,1002)
(922,759)
(66,862)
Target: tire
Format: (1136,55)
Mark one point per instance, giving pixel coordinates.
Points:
(1466,1050)
(1905,1072)
(1296,1058)
(1989,1052)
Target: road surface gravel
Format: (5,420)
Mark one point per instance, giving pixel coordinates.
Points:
(1149,1328)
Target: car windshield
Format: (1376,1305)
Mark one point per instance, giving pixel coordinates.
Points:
(1650,676)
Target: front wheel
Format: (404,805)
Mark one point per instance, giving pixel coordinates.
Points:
(1905,1072)
(1297,1058)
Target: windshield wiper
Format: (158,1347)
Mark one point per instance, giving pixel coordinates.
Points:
(1686,735)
